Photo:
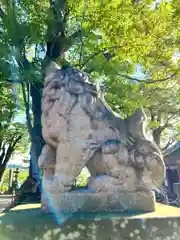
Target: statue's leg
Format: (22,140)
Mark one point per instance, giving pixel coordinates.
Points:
(47,158)
(48,175)
(47,163)
(71,157)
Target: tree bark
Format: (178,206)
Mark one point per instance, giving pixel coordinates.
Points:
(6,154)
(37,139)
(157,134)
(157,137)
(2,169)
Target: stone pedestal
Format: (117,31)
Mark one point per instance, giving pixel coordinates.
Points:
(72,202)
(27,222)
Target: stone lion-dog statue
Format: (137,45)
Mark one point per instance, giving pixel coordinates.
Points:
(80,130)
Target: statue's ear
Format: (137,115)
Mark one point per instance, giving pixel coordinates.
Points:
(136,124)
(51,68)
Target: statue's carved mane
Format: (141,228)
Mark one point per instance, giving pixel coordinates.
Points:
(69,78)
(80,85)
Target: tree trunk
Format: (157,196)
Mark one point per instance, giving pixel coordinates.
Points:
(157,133)
(157,137)
(2,169)
(37,140)
(5,156)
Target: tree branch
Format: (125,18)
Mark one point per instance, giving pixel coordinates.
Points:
(3,153)
(158,131)
(2,14)
(27,107)
(149,81)
(59,11)
(167,145)
(16,140)
(8,154)
(81,36)
(103,50)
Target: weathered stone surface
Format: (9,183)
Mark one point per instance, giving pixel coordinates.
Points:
(81,130)
(103,202)
(47,161)
(29,223)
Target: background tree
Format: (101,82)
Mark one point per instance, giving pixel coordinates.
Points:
(107,39)
(161,101)
(13,135)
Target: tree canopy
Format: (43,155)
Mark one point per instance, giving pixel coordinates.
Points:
(13,134)
(108,39)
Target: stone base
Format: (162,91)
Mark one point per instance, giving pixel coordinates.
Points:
(102,202)
(27,222)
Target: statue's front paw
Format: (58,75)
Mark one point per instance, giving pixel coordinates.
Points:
(142,188)
(58,186)
(47,185)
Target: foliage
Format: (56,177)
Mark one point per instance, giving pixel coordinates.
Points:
(118,35)
(107,39)
(82,178)
(21,177)
(161,101)
(13,135)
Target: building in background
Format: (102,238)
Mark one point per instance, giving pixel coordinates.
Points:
(172,161)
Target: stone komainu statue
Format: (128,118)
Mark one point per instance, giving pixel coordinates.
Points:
(81,130)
